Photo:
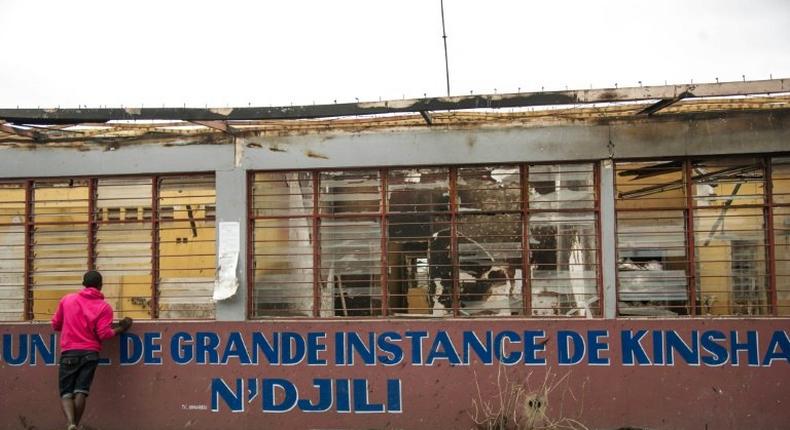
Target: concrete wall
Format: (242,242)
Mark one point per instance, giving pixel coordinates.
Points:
(631,374)
(708,134)
(158,392)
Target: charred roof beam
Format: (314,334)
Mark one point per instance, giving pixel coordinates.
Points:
(667,93)
(664,103)
(24,132)
(222,126)
(427,117)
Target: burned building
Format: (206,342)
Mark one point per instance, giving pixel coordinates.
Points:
(665,208)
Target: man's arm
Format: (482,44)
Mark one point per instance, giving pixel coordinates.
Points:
(122,326)
(57,319)
(104,325)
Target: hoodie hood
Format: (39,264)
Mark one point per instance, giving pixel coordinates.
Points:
(91,293)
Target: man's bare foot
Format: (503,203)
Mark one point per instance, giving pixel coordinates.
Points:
(72,427)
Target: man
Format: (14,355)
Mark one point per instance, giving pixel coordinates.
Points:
(84,320)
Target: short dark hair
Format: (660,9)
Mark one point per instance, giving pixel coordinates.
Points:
(92,278)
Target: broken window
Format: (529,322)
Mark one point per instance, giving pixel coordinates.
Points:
(12,251)
(435,241)
(418,246)
(719,206)
(350,243)
(729,236)
(123,247)
(186,269)
(651,239)
(490,228)
(780,175)
(79,224)
(563,240)
(59,243)
(282,244)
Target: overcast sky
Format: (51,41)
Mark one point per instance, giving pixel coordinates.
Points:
(154,53)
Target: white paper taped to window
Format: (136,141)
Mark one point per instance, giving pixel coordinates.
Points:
(226,284)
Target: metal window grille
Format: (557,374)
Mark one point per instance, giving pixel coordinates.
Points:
(13,268)
(53,230)
(701,236)
(778,196)
(440,241)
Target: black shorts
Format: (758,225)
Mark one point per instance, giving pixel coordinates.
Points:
(76,372)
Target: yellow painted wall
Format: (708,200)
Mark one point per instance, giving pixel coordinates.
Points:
(70,205)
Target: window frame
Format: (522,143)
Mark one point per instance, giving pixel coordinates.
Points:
(453,214)
(768,206)
(94,219)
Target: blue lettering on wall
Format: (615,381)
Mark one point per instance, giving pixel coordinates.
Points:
(781,341)
(234,399)
(633,351)
(689,353)
(343,394)
(269,349)
(280,395)
(568,341)
(340,349)
(483,349)
(206,344)
(41,349)
(131,351)
(394,396)
(595,346)
(532,347)
(709,342)
(152,348)
(442,349)
(416,338)
(362,404)
(750,347)
(252,389)
(314,347)
(8,350)
(324,402)
(658,348)
(500,349)
(393,353)
(292,347)
(235,348)
(289,397)
(366,350)
(181,348)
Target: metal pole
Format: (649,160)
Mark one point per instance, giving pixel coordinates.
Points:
(526,273)
(155,247)
(446,63)
(93,222)
(690,246)
(454,258)
(29,232)
(316,231)
(384,254)
(251,302)
(770,244)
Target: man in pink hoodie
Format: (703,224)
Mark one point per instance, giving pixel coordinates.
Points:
(84,320)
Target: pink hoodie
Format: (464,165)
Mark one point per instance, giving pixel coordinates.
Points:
(84,319)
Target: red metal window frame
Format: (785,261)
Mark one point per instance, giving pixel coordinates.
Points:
(767,207)
(384,214)
(93,221)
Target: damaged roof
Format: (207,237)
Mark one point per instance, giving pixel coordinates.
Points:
(212,125)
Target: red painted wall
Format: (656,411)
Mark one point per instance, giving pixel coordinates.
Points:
(437,396)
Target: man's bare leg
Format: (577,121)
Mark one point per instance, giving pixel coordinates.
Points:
(79,406)
(69,409)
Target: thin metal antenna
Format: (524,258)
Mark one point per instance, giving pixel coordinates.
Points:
(446,63)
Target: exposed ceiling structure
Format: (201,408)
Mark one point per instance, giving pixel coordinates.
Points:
(151,125)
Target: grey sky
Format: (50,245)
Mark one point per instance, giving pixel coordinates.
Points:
(298,51)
